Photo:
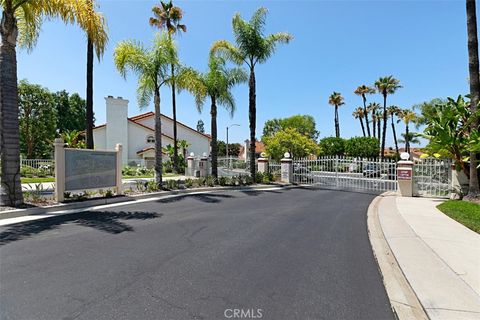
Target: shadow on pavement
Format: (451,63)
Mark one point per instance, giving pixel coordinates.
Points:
(259,192)
(106,221)
(206,197)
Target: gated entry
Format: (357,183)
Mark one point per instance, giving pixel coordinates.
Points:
(432,177)
(347,173)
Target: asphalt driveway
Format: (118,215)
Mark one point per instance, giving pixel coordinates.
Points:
(278,254)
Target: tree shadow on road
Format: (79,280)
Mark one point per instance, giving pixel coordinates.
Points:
(254,193)
(106,221)
(203,197)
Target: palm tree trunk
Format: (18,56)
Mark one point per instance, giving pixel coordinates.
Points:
(89,110)
(379,122)
(366,114)
(373,127)
(10,186)
(214,143)
(361,123)
(384,132)
(407,139)
(252,115)
(158,139)
(337,123)
(174,106)
(473,187)
(394,135)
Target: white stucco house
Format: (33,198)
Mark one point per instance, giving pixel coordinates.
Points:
(137,134)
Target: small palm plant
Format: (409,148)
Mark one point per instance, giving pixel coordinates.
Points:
(386,86)
(359,114)
(336,100)
(151,66)
(216,84)
(407,116)
(362,91)
(252,48)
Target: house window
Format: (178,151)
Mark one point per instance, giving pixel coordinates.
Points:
(150,139)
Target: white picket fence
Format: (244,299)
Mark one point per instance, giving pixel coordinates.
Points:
(46,166)
(347,173)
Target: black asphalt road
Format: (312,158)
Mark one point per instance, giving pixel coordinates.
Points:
(280,254)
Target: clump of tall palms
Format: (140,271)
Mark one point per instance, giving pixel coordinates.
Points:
(386,86)
(408,117)
(394,111)
(362,91)
(20,24)
(168,17)
(252,47)
(360,114)
(215,84)
(151,65)
(373,108)
(336,100)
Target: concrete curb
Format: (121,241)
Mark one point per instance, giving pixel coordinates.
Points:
(404,302)
(98,202)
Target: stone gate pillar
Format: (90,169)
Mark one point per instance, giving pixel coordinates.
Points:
(287,168)
(263,164)
(405,178)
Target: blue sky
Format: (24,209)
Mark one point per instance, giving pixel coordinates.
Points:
(338,45)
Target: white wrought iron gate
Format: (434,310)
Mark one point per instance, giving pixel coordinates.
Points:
(432,177)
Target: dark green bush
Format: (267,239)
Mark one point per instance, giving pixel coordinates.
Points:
(364,147)
(332,146)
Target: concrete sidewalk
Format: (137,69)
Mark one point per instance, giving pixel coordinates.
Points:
(439,257)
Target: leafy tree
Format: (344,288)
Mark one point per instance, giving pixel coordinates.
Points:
(426,109)
(364,147)
(216,84)
(292,141)
(20,24)
(37,120)
(233,149)
(252,48)
(473,68)
(97,42)
(151,66)
(359,114)
(332,146)
(304,124)
(168,17)
(394,111)
(71,111)
(336,100)
(362,91)
(386,86)
(200,126)
(448,131)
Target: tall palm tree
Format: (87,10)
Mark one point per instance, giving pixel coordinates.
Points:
(216,84)
(20,24)
(407,116)
(151,66)
(412,138)
(336,100)
(473,186)
(167,16)
(362,91)
(385,86)
(359,114)
(373,108)
(252,48)
(393,111)
(99,47)
(379,117)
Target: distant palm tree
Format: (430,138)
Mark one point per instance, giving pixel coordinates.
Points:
(336,100)
(407,116)
(379,117)
(385,86)
(20,24)
(359,114)
(167,16)
(473,186)
(362,91)
(151,66)
(373,108)
(394,111)
(216,84)
(252,48)
(412,138)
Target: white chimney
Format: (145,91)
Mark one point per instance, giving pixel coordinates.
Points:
(117,124)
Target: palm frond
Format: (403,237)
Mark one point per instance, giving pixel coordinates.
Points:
(228,51)
(130,54)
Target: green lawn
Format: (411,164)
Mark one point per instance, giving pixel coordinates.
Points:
(467,213)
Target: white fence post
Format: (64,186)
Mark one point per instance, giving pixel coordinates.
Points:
(59,169)
(287,169)
(203,164)
(263,164)
(119,148)
(191,164)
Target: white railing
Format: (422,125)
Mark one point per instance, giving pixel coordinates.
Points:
(432,177)
(232,166)
(37,167)
(347,173)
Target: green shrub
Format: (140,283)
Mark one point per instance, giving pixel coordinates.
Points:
(258,177)
(188,183)
(222,181)
(363,147)
(332,146)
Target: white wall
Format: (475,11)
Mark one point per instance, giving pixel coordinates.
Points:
(100,138)
(117,129)
(137,140)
